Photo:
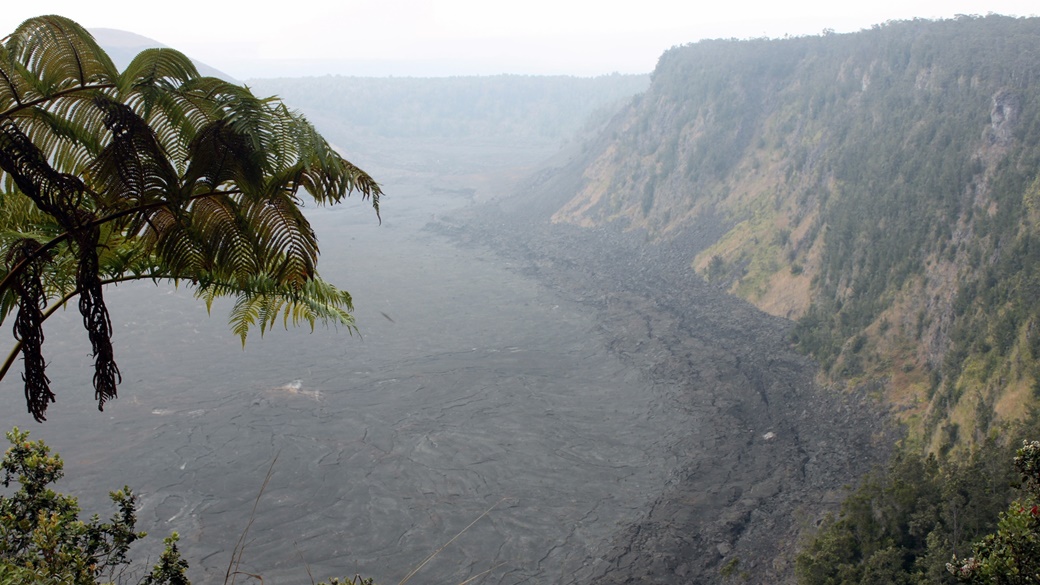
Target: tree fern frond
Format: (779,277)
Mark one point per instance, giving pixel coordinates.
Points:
(327,176)
(204,101)
(59,54)
(129,259)
(224,236)
(149,85)
(158,69)
(176,113)
(285,237)
(59,276)
(18,213)
(244,315)
(262,303)
(335,180)
(250,116)
(170,120)
(70,129)
(13,81)
(169,239)
(155,173)
(327,303)
(8,301)
(268,309)
(284,127)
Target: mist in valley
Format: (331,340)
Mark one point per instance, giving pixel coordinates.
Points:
(574,384)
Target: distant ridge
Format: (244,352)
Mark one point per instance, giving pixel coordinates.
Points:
(123,46)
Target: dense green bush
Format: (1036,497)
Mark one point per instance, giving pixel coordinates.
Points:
(937,519)
(43,540)
(1011,555)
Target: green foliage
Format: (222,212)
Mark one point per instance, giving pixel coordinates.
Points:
(43,540)
(910,176)
(716,269)
(356,580)
(171,568)
(731,570)
(903,523)
(1011,555)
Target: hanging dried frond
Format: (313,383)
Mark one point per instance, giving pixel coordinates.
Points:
(95,316)
(53,192)
(132,169)
(220,155)
(28,324)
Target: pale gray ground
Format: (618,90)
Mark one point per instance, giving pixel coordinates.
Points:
(485,387)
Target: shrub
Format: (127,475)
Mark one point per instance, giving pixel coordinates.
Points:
(43,540)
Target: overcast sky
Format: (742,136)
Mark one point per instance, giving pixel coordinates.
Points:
(467,37)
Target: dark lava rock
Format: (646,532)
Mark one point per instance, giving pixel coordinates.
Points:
(776,450)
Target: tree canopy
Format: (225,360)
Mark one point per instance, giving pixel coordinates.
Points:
(154,172)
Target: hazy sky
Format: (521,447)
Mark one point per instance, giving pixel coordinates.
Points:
(460,37)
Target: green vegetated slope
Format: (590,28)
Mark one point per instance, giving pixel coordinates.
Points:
(882,188)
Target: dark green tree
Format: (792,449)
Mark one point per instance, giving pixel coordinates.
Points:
(1011,555)
(903,523)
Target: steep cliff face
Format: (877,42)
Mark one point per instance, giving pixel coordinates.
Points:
(882,188)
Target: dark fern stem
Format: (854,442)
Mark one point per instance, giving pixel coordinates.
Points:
(53,192)
(95,317)
(28,326)
(60,195)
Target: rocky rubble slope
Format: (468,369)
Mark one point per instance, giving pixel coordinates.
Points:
(778,450)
